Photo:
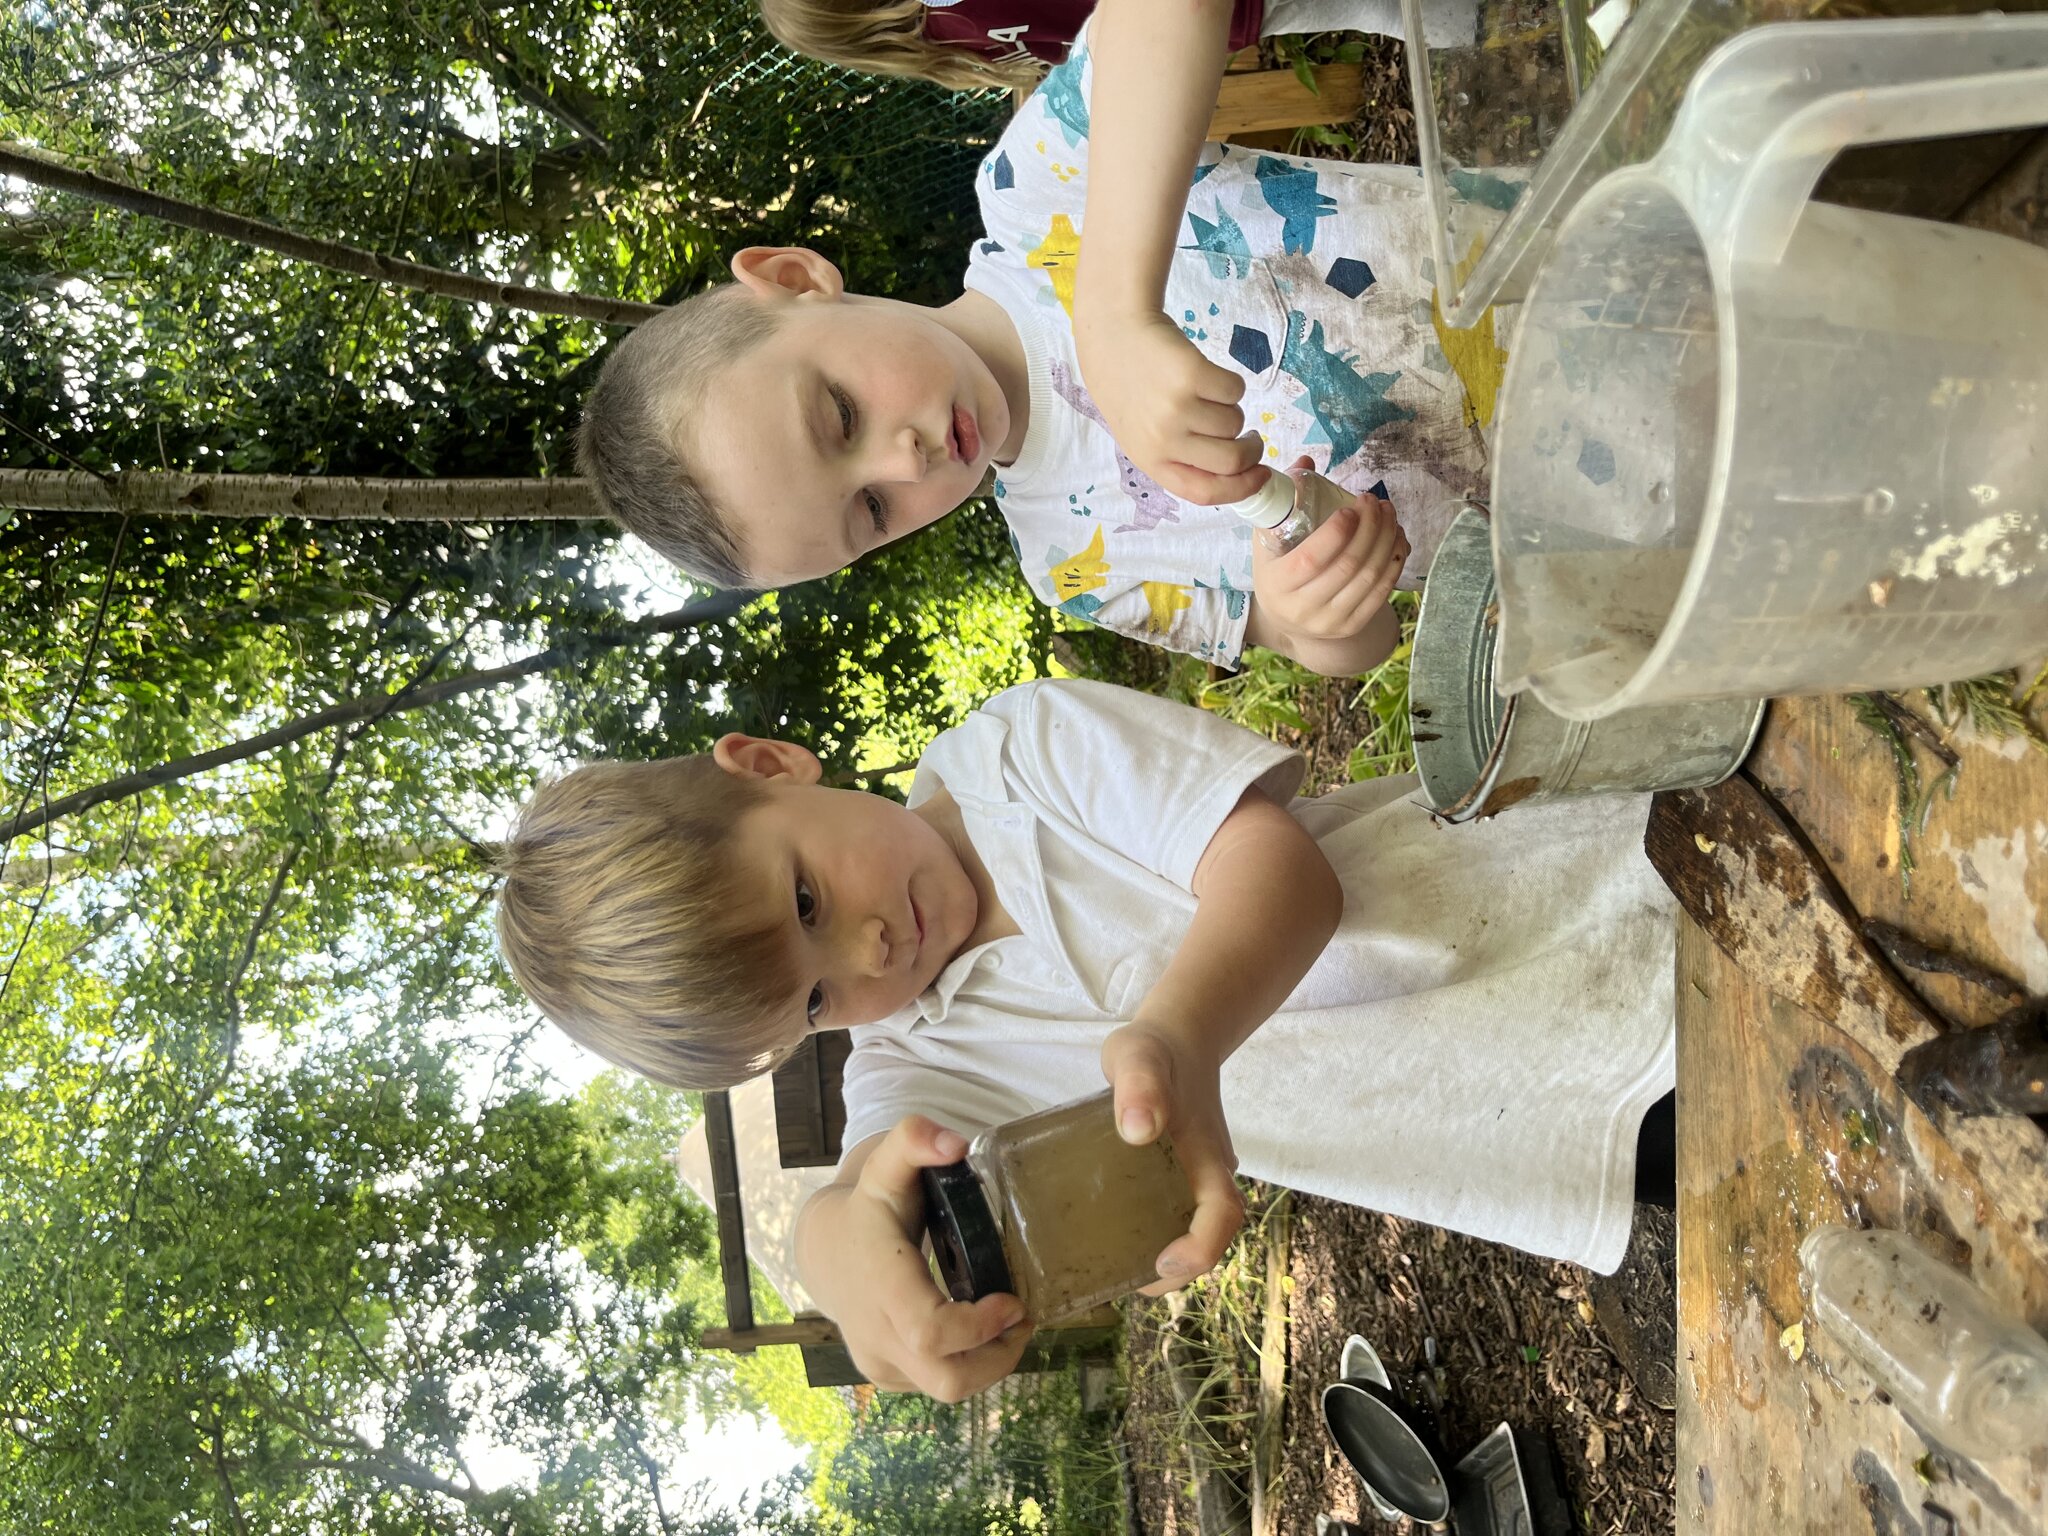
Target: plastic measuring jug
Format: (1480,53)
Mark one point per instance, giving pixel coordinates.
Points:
(1499,185)
(1755,445)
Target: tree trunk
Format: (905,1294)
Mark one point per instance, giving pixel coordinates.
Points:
(46,170)
(319,498)
(576,648)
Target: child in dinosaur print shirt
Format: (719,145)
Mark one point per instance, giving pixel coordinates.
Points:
(1308,278)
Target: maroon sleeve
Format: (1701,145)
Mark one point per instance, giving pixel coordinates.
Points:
(990,27)
(1245,17)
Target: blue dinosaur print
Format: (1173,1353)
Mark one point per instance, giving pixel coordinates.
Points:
(1061,93)
(1348,406)
(1222,244)
(1487,191)
(1151,502)
(1234,597)
(1001,174)
(1290,191)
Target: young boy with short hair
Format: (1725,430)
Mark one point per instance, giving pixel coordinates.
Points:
(777,428)
(1091,883)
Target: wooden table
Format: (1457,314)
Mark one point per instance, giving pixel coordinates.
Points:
(1786,1123)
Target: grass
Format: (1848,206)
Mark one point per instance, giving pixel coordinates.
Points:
(1226,1311)
(1268,693)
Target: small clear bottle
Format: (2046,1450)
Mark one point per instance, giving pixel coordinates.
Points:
(1973,1377)
(1057,1209)
(1290,507)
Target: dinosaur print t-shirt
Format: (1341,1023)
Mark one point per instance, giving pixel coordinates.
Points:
(1309,278)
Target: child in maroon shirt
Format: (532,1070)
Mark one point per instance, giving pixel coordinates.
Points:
(970,44)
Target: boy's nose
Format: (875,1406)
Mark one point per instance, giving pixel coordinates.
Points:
(869,950)
(905,460)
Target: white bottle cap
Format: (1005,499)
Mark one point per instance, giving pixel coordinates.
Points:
(1268,506)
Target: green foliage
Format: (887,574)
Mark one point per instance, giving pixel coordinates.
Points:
(1383,694)
(1019,1460)
(291,1297)
(294,1232)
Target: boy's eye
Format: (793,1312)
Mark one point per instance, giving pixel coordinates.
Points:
(806,903)
(845,411)
(878,513)
(816,1005)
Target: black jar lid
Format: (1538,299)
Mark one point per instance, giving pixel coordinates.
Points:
(965,1238)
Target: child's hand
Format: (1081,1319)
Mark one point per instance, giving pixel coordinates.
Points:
(1318,601)
(1172,411)
(1164,1083)
(902,1330)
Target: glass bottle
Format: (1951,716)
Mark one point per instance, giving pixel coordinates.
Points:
(1057,1209)
(1975,1378)
(1288,508)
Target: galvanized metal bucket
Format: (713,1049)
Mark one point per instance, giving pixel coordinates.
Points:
(1478,753)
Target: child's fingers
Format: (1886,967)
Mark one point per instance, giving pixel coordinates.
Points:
(1219,1216)
(1221,457)
(1211,418)
(1379,566)
(1317,565)
(1371,539)
(959,1347)
(1142,1099)
(1214,383)
(890,1174)
(960,1376)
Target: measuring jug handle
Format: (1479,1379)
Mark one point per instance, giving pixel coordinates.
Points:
(1975,74)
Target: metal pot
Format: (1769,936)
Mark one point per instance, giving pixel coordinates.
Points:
(1479,754)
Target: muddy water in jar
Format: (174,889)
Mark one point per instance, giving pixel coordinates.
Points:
(1082,1215)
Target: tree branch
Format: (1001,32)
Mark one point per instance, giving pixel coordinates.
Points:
(577,648)
(43,169)
(316,498)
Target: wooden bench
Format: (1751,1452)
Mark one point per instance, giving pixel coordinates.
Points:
(1264,106)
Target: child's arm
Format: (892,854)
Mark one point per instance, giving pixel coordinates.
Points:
(1324,602)
(859,1252)
(1266,902)
(1157,65)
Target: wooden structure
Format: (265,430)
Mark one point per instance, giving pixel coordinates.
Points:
(1256,105)
(1789,1118)
(1788,1113)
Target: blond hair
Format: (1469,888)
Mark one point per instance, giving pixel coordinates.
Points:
(630,445)
(620,915)
(887,39)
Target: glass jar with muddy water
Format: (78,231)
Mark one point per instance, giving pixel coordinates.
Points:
(1057,1209)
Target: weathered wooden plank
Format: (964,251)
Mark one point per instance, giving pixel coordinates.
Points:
(725,1203)
(1980,882)
(1256,101)
(805,1328)
(1785,1125)
(1278,1235)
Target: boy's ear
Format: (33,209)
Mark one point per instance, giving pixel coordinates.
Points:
(780,271)
(761,757)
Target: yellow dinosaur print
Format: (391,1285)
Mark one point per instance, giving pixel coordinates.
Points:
(1057,255)
(1476,358)
(1165,599)
(1081,573)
